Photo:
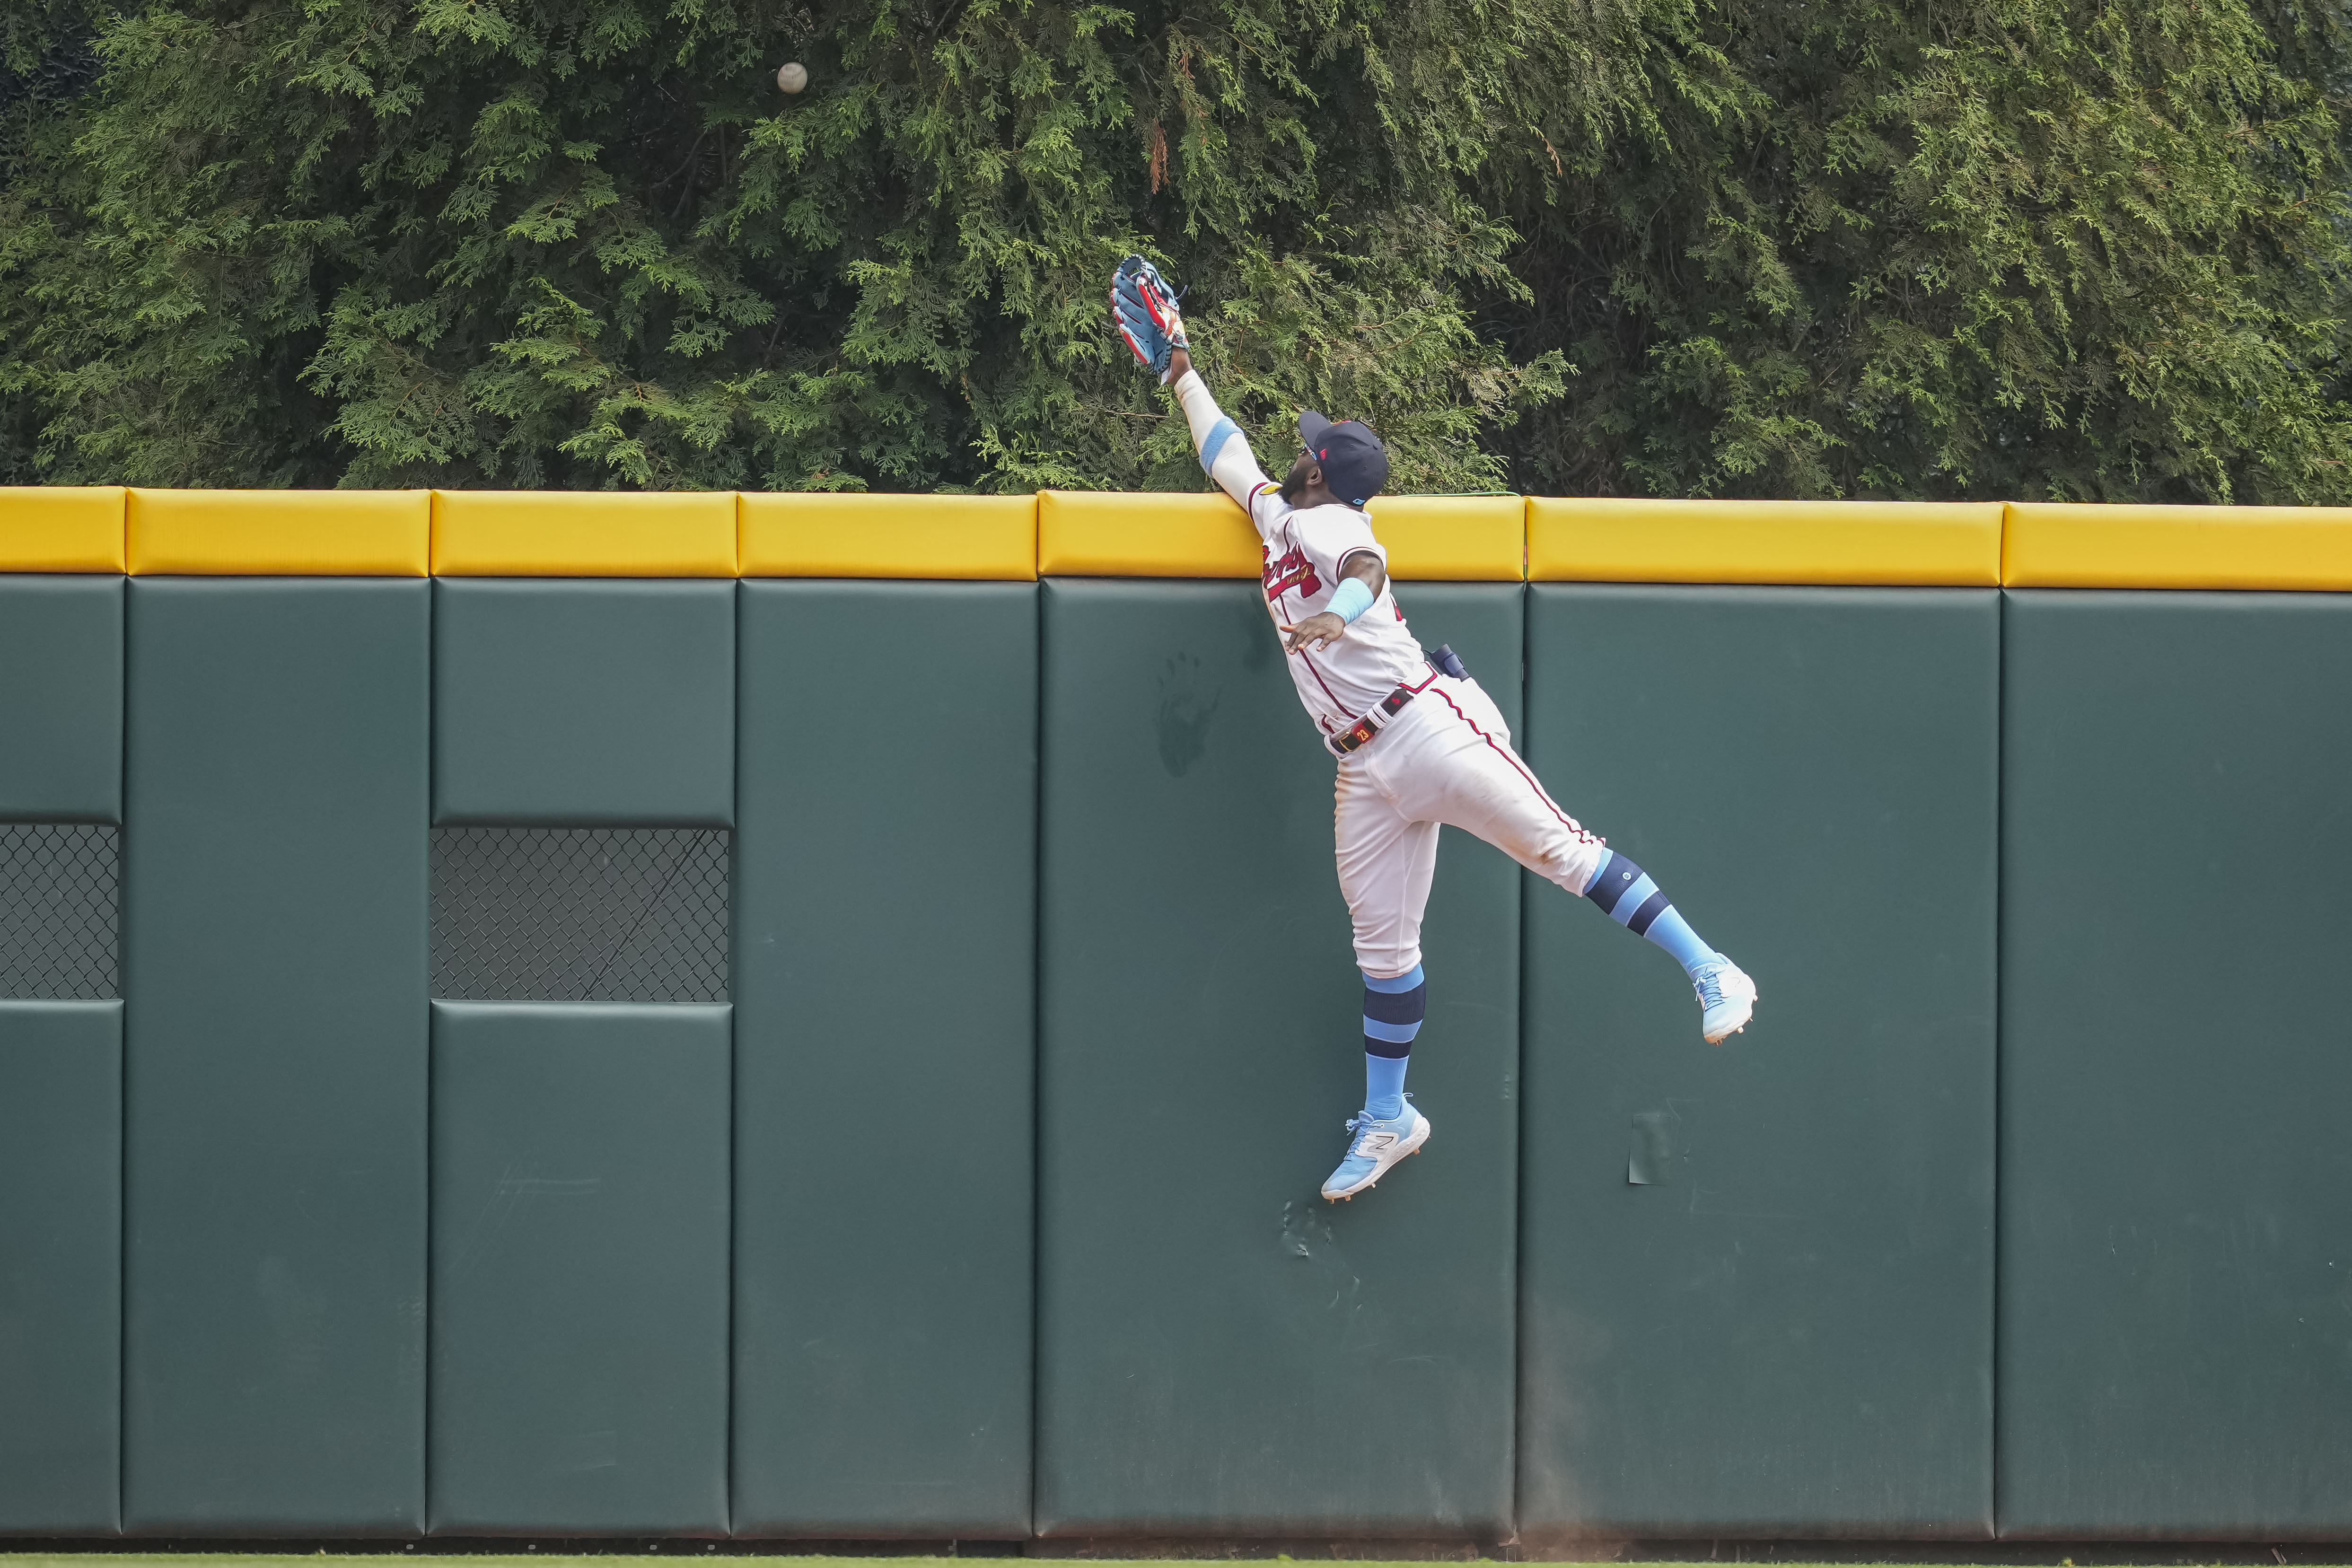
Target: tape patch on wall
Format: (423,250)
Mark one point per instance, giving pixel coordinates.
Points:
(1656,1157)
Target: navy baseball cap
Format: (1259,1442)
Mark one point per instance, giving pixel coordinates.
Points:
(1354,463)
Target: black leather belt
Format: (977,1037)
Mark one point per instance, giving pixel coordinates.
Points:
(1360,734)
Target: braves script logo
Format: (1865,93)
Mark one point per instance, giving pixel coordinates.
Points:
(1293,571)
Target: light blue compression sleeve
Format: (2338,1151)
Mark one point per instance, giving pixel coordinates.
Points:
(1225,455)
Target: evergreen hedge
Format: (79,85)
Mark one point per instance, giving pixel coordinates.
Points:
(2068,249)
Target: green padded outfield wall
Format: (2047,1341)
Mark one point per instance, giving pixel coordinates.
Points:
(1214,1340)
(562,701)
(274,1057)
(581,1162)
(60,699)
(1788,1331)
(61,1258)
(580,1216)
(61,1085)
(885,971)
(289,1250)
(2176,1268)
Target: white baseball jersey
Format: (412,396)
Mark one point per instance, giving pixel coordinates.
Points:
(1302,548)
(1445,757)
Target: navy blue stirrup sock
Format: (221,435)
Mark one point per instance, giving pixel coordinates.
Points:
(1394,1009)
(1623,892)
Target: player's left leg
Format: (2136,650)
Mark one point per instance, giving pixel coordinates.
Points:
(1458,765)
(1626,893)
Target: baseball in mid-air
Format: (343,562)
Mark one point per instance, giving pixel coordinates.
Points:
(792,76)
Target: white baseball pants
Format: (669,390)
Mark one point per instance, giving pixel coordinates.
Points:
(1445,759)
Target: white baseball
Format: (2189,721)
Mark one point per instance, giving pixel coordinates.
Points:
(792,76)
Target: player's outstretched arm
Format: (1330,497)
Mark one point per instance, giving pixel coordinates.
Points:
(1143,308)
(1225,455)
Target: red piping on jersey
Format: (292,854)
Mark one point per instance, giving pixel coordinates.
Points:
(1309,660)
(1292,540)
(1306,657)
(1574,826)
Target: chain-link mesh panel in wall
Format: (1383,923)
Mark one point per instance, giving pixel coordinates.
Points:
(579,915)
(58,911)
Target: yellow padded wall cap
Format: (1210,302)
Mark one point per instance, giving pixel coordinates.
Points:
(1940,543)
(583,533)
(2062,545)
(1089,533)
(1093,533)
(61,528)
(1470,538)
(985,537)
(289,533)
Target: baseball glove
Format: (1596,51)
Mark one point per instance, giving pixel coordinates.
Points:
(1143,308)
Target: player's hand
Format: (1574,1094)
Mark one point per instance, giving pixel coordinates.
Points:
(1314,634)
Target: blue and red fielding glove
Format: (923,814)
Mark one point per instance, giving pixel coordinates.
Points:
(1143,308)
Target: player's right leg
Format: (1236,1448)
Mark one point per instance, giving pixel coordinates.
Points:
(1386,862)
(1457,765)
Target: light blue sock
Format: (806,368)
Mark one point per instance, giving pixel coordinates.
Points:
(1384,1086)
(1673,933)
(1623,892)
(1393,1009)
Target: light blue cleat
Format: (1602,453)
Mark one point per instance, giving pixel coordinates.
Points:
(1377,1146)
(1726,998)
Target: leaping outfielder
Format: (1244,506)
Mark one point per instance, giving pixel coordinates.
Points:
(1419,743)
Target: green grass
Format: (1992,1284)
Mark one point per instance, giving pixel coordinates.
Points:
(2110,1553)
(678,1549)
(674,1550)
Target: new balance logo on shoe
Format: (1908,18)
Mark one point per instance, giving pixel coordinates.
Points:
(1375,1148)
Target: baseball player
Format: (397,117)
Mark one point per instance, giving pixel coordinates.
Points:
(1418,742)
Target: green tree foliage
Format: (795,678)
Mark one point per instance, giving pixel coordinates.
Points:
(1790,247)
(2080,249)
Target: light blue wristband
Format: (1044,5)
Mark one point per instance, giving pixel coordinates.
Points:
(1351,599)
